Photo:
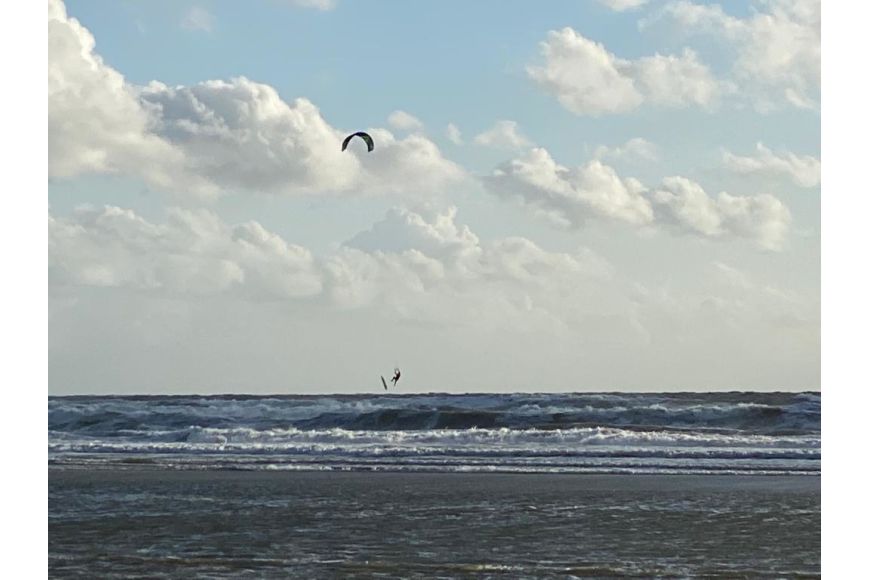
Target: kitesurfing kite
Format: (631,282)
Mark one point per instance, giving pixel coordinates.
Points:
(370,143)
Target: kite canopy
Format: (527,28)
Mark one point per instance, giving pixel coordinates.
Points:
(364,136)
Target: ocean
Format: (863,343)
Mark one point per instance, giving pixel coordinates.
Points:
(678,433)
(603,485)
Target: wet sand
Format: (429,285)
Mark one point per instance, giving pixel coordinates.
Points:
(162,523)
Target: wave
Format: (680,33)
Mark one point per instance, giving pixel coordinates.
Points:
(432,445)
(684,432)
(777,413)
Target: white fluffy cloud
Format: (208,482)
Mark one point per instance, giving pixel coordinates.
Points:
(584,76)
(404,121)
(685,205)
(595,190)
(416,264)
(571,196)
(675,80)
(503,134)
(214,136)
(96,122)
(194,252)
(778,46)
(436,234)
(426,266)
(803,170)
(241,134)
(589,80)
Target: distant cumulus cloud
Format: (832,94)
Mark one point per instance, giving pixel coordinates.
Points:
(425,265)
(404,121)
(407,262)
(193,297)
(777,46)
(589,80)
(504,134)
(193,253)
(435,233)
(803,170)
(684,205)
(198,18)
(571,196)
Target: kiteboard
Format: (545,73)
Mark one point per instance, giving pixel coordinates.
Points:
(385,382)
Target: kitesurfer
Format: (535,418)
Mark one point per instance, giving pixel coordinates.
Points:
(396,375)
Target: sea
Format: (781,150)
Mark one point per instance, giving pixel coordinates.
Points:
(576,485)
(678,433)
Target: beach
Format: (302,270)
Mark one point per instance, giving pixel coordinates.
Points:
(516,485)
(115,522)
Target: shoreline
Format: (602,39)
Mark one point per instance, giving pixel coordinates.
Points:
(135,465)
(806,483)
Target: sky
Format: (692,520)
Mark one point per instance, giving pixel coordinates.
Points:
(574,196)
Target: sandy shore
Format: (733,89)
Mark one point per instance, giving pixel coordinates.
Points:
(114,523)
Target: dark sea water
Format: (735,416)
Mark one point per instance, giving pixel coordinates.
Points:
(435,486)
(687,433)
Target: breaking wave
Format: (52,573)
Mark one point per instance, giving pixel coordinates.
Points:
(686,432)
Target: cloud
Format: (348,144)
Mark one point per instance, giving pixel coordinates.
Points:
(733,276)
(316,4)
(193,253)
(214,136)
(742,299)
(96,122)
(589,80)
(570,197)
(454,134)
(242,135)
(404,263)
(778,46)
(198,18)
(685,205)
(635,148)
(676,81)
(504,135)
(731,310)
(404,121)
(584,77)
(623,5)
(803,170)
(443,270)
(436,234)
(193,303)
